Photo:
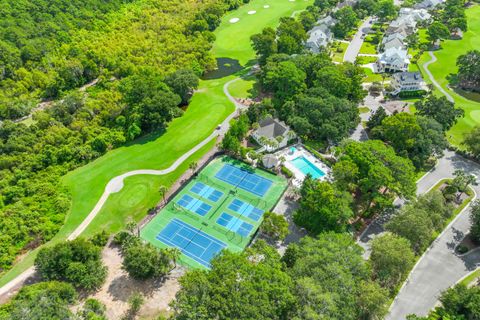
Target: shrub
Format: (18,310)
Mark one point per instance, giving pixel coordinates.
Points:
(274,226)
(287,172)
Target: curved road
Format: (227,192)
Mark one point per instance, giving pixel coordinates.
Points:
(439,267)
(430,75)
(116,184)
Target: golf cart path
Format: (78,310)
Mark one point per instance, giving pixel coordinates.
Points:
(116,184)
(434,81)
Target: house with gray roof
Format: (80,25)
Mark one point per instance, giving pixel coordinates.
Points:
(408,81)
(272,134)
(428,4)
(321,35)
(393,60)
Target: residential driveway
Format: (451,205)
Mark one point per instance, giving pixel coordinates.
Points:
(439,268)
(357,41)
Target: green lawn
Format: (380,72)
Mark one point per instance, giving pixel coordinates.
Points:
(445,66)
(208,108)
(208,223)
(368,48)
(337,56)
(373,77)
(244,88)
(473,276)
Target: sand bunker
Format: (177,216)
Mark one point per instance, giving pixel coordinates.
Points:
(234,20)
(252,12)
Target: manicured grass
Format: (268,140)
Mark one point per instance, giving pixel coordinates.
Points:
(208,223)
(233,40)
(445,66)
(373,77)
(338,56)
(244,88)
(361,60)
(368,48)
(363,109)
(208,108)
(473,276)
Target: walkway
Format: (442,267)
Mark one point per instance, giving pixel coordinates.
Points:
(116,184)
(434,81)
(439,268)
(354,47)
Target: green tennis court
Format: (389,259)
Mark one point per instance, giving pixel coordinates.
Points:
(215,211)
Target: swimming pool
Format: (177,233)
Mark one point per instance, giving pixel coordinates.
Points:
(306,167)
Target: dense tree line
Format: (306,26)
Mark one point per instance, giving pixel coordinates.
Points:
(469,71)
(316,278)
(50,300)
(140,88)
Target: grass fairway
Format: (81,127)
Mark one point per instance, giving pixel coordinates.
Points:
(208,108)
(233,39)
(446,65)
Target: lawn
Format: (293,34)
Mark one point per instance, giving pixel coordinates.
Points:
(244,88)
(368,48)
(445,66)
(373,77)
(337,55)
(208,108)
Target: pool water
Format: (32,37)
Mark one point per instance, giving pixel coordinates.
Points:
(306,167)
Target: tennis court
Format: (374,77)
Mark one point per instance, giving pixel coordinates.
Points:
(235,224)
(245,209)
(241,178)
(210,214)
(207,192)
(194,205)
(191,241)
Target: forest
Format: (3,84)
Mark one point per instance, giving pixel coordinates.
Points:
(146,56)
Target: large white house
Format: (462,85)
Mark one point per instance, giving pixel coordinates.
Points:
(416,14)
(393,60)
(408,81)
(428,4)
(272,134)
(321,35)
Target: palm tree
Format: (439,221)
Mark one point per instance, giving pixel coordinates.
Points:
(193,166)
(163,191)
(174,255)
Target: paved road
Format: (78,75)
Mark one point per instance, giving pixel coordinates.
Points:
(439,268)
(434,81)
(116,184)
(357,41)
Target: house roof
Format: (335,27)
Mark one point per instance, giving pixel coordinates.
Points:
(394,56)
(394,43)
(402,77)
(319,35)
(392,36)
(271,128)
(269,161)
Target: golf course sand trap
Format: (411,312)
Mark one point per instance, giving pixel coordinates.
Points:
(252,12)
(234,20)
(266,6)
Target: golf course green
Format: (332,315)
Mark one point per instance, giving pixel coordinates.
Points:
(445,66)
(208,108)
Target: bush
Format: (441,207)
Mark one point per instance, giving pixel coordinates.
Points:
(412,94)
(100,239)
(287,172)
(461,249)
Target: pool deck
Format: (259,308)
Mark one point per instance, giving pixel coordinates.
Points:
(301,152)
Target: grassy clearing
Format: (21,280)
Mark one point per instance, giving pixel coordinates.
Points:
(208,108)
(445,66)
(363,109)
(373,77)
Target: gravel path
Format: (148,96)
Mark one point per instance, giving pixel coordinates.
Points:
(116,184)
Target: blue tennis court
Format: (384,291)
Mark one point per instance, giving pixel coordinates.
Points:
(245,209)
(191,241)
(207,192)
(194,205)
(250,182)
(235,224)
